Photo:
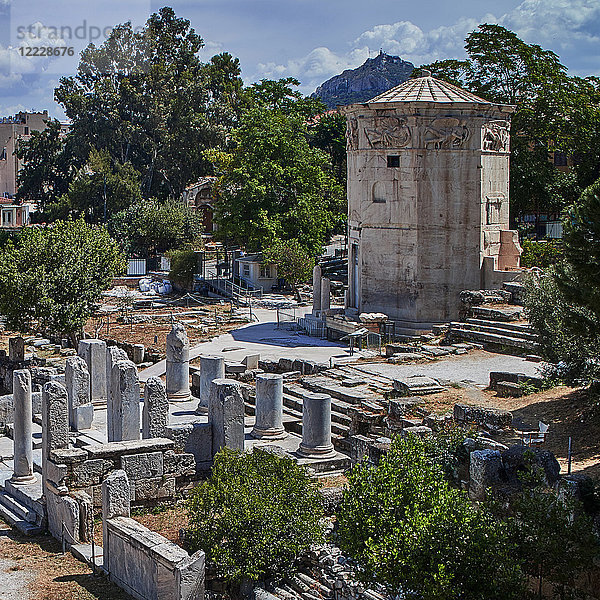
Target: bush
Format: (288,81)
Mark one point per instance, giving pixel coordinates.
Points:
(540,254)
(254,516)
(410,531)
(184,264)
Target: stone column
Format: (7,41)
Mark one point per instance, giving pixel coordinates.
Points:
(211,368)
(23,443)
(226,415)
(16,349)
(155,414)
(316,289)
(124,413)
(269,407)
(77,382)
(139,350)
(178,364)
(113,356)
(94,354)
(55,422)
(316,426)
(325,295)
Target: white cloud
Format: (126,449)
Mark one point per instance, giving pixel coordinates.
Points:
(571,28)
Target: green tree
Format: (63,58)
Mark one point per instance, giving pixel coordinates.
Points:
(294,264)
(328,133)
(410,531)
(564,305)
(150,227)
(273,185)
(50,278)
(254,516)
(554,538)
(554,112)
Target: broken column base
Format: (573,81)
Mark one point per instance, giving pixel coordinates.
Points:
(316,452)
(269,434)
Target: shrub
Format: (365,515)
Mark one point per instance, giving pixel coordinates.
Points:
(254,516)
(184,264)
(540,254)
(410,531)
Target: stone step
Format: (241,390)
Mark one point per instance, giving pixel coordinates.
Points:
(29,496)
(496,330)
(490,338)
(324,385)
(83,552)
(501,314)
(23,512)
(417,385)
(513,327)
(17,521)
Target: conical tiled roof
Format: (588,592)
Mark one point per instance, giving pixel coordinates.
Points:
(427,89)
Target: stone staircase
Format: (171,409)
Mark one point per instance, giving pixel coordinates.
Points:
(350,392)
(513,336)
(22,508)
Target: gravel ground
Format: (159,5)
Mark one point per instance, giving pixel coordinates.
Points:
(13,578)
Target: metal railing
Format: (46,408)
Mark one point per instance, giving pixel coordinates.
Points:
(240,295)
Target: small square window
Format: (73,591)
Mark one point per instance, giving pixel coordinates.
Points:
(393,161)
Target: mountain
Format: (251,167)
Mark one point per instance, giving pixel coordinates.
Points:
(373,77)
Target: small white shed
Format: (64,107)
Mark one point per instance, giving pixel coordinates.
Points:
(253,271)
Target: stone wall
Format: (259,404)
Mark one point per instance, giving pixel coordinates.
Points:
(156,472)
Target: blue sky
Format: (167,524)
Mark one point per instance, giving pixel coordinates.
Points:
(308,39)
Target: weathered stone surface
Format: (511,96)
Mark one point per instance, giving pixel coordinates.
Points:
(516,378)
(77,383)
(86,515)
(269,407)
(155,413)
(316,426)
(485,470)
(16,349)
(116,502)
(518,459)
(487,417)
(138,353)
(23,428)
(55,420)
(332,499)
(285,364)
(317,277)
(63,516)
(113,355)
(90,472)
(154,489)
(226,415)
(419,431)
(94,354)
(211,368)
(178,364)
(115,449)
(179,465)
(251,361)
(506,389)
(359,445)
(143,466)
(123,414)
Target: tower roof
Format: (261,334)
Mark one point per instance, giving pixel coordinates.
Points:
(427,89)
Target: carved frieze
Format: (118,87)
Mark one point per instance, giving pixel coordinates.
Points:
(446,133)
(387,132)
(352,134)
(496,136)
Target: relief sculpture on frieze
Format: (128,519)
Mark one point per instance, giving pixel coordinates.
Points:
(388,132)
(496,136)
(446,132)
(352,134)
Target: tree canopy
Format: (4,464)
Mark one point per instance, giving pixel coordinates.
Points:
(554,112)
(57,274)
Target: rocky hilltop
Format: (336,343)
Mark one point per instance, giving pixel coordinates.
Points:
(374,76)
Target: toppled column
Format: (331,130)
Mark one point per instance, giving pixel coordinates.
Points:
(23,443)
(269,407)
(211,368)
(16,349)
(226,415)
(77,382)
(178,364)
(94,354)
(316,426)
(155,414)
(55,422)
(316,290)
(123,414)
(325,295)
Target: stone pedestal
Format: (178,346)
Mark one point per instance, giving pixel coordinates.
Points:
(138,353)
(94,354)
(178,364)
(226,415)
(155,414)
(269,407)
(325,295)
(77,382)
(211,368)
(23,443)
(316,426)
(16,349)
(316,290)
(113,356)
(55,422)
(123,415)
